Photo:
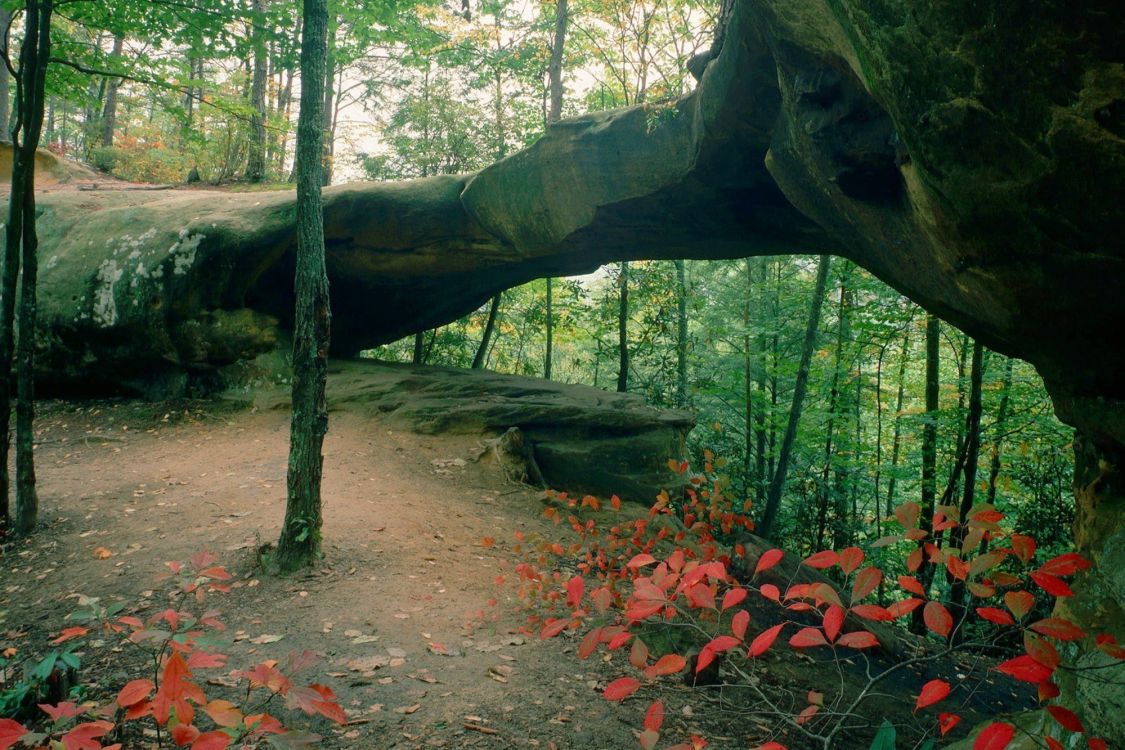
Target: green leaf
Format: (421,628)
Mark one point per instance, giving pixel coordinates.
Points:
(884,738)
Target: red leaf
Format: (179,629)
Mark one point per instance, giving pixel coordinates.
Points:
(946,722)
(932,692)
(722,643)
(998,616)
(914,560)
(134,692)
(770,591)
(833,621)
(64,710)
(85,736)
(224,713)
(904,607)
(732,598)
(872,612)
(858,639)
(666,665)
(850,559)
(575,588)
(654,717)
(1026,669)
(1019,602)
(70,633)
(589,643)
(821,560)
(11,732)
(620,689)
(937,618)
(638,654)
(648,739)
(1053,744)
(768,559)
(1059,629)
(1065,565)
(907,514)
(1096,743)
(553,627)
(1024,547)
(739,623)
(1051,584)
(214,740)
(911,584)
(1067,718)
(807,638)
(764,640)
(995,737)
(771,746)
(602,598)
(866,581)
(182,734)
(640,561)
(1047,691)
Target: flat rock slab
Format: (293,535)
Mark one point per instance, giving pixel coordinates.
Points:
(585,440)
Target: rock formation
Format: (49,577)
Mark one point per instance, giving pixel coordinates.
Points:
(970,154)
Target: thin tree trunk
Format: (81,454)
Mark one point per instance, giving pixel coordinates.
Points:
(896,440)
(681,335)
(482,350)
(256,161)
(554,112)
(21,245)
(109,112)
(419,348)
(1001,420)
(972,458)
(327,124)
(929,453)
(300,535)
(549,355)
(5,79)
(760,479)
(749,480)
(623,329)
(773,499)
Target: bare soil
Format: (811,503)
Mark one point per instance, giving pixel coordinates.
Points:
(406,579)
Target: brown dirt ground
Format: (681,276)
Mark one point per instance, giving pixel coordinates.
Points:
(404,563)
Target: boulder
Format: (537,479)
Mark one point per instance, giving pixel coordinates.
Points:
(583,439)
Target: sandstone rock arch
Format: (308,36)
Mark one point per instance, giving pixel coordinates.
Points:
(970,154)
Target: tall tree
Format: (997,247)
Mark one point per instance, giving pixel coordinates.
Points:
(554,112)
(972,458)
(486,337)
(773,499)
(5,76)
(21,245)
(623,328)
(300,536)
(1001,424)
(682,335)
(256,161)
(929,452)
(896,438)
(109,110)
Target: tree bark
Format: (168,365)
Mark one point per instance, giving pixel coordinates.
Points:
(968,495)
(682,335)
(929,453)
(1001,420)
(777,484)
(549,355)
(419,348)
(623,329)
(300,535)
(109,112)
(5,78)
(486,338)
(256,161)
(21,245)
(329,90)
(896,439)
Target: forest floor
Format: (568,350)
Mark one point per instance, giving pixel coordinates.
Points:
(395,607)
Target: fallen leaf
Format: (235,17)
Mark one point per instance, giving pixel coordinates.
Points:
(408,709)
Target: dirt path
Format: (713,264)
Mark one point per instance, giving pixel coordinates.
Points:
(404,568)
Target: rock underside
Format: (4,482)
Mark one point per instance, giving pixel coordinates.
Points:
(972,155)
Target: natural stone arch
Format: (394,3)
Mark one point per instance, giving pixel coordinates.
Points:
(971,155)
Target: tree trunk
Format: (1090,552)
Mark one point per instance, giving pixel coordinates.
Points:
(777,484)
(748,479)
(21,245)
(623,329)
(300,536)
(554,73)
(419,348)
(482,350)
(760,479)
(1001,421)
(896,439)
(681,335)
(256,161)
(329,87)
(929,452)
(5,78)
(109,112)
(825,489)
(972,457)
